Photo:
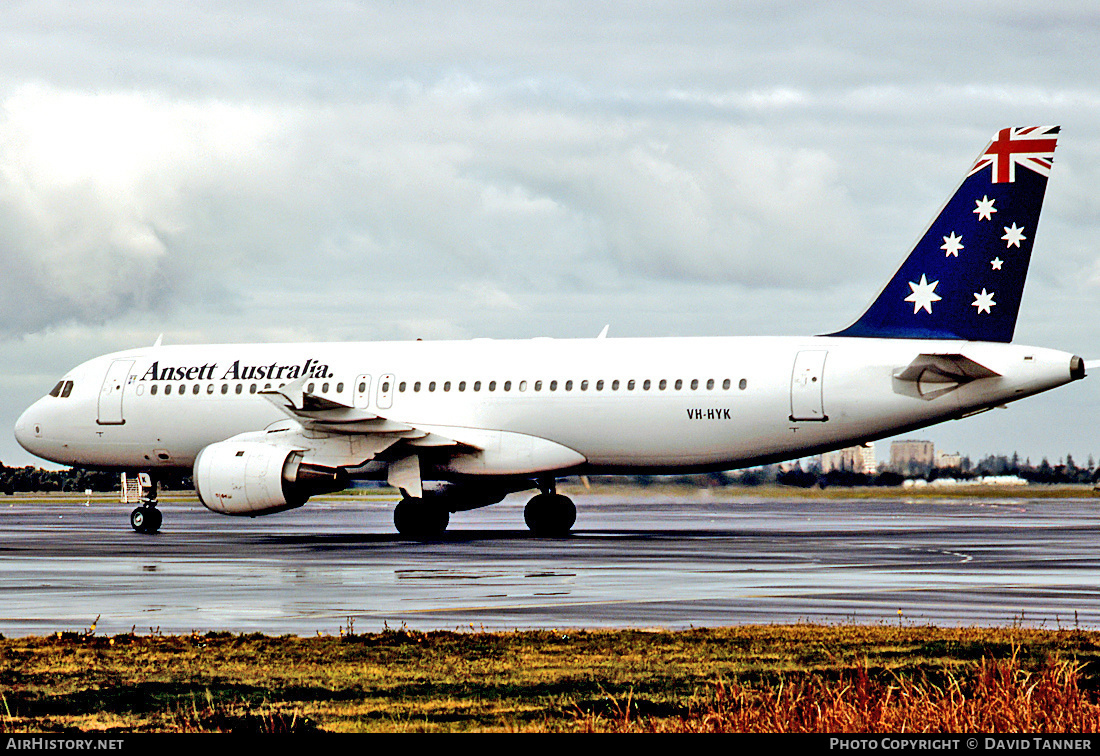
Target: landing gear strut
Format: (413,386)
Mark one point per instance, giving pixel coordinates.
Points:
(420,518)
(549,513)
(142,488)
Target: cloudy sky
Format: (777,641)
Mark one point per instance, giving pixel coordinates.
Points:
(219,171)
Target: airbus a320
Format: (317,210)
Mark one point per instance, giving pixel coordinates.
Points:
(457,425)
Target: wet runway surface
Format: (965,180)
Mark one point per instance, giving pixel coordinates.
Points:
(633,561)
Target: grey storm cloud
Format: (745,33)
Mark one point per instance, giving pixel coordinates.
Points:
(127,201)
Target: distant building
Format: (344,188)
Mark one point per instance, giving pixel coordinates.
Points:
(910,457)
(949,460)
(860,459)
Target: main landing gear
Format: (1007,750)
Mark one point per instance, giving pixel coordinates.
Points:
(421,518)
(549,513)
(142,488)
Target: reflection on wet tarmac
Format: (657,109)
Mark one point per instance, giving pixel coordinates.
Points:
(639,561)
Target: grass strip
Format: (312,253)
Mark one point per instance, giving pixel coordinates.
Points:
(808,678)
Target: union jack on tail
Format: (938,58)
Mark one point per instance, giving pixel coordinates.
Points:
(964,279)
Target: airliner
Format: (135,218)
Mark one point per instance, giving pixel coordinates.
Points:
(456,425)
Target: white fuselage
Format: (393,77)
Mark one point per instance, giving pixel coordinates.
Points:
(624,405)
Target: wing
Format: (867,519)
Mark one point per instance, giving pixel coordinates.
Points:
(333,434)
(324,415)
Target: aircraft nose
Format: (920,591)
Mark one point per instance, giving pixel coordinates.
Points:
(27,429)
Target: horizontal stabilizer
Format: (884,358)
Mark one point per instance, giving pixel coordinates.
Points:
(951,367)
(932,375)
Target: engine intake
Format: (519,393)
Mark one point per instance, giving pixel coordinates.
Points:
(256,478)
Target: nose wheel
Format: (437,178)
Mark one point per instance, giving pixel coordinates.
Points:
(145,519)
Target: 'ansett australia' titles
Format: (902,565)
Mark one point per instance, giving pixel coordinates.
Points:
(237,372)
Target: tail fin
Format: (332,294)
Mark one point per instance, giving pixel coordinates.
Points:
(965,277)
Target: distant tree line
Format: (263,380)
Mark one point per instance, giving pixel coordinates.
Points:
(811,475)
(992,465)
(29,479)
(77,480)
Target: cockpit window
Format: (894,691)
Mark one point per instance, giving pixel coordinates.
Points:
(62,389)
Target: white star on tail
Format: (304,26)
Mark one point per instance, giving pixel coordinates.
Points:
(1013,236)
(996,262)
(951,245)
(984,302)
(985,208)
(924,294)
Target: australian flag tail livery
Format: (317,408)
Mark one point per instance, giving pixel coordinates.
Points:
(965,277)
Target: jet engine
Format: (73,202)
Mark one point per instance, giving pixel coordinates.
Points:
(255,478)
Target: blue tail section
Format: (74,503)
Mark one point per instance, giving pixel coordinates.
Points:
(965,277)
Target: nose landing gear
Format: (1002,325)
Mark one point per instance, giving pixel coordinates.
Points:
(145,519)
(142,488)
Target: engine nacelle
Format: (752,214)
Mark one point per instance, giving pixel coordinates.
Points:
(254,478)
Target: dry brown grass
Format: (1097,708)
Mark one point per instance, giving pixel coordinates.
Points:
(994,696)
(793,678)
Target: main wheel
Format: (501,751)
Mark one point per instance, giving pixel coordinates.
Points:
(145,520)
(550,515)
(417,518)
